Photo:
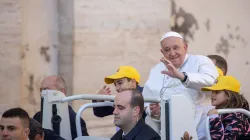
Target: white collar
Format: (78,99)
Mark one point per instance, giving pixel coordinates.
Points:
(123,134)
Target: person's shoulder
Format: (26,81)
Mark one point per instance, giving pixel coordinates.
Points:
(233,116)
(117,135)
(139,88)
(158,67)
(198,57)
(51,135)
(156,138)
(240,115)
(49,132)
(149,132)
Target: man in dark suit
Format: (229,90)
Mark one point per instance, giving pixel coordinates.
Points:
(129,108)
(58,83)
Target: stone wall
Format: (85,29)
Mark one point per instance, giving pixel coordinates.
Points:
(217,27)
(112,33)
(10,41)
(96,37)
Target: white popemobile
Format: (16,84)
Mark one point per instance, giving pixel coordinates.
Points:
(177,122)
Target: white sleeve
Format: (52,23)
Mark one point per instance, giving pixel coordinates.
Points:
(152,84)
(147,91)
(206,76)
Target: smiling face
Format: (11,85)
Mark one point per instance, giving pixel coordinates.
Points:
(174,49)
(218,98)
(124,83)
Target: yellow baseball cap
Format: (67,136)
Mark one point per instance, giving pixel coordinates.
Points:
(123,71)
(220,71)
(225,83)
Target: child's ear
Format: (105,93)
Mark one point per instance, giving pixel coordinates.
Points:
(134,82)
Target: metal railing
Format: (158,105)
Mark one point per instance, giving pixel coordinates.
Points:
(82,108)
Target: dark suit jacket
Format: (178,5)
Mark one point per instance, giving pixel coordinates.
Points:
(72,117)
(51,135)
(141,131)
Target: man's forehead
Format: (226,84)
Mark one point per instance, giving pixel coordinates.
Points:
(123,97)
(124,104)
(15,121)
(48,82)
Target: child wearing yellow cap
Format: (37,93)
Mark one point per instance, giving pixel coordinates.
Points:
(226,94)
(126,77)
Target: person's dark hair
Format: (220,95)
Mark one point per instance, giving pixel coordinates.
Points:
(136,100)
(18,113)
(35,129)
(129,79)
(220,62)
(235,100)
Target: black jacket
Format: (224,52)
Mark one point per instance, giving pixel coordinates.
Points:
(51,135)
(72,117)
(108,110)
(141,131)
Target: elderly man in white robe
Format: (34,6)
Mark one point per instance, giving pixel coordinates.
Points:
(178,73)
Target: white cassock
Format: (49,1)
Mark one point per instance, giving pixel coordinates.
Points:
(201,72)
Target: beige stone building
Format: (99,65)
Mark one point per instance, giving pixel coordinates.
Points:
(84,41)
